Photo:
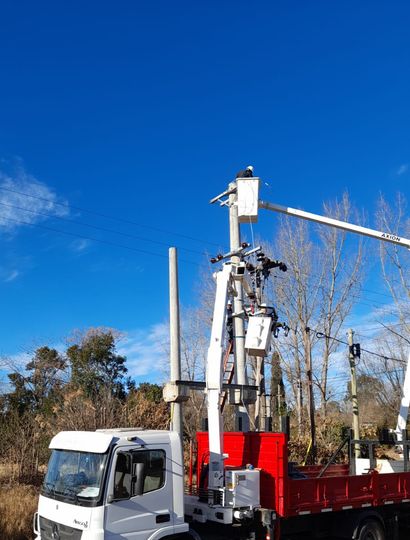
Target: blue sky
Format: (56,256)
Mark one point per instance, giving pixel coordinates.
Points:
(145,110)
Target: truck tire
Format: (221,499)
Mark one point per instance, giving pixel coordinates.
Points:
(371,530)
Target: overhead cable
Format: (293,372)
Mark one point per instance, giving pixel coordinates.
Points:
(107,216)
(96,227)
(107,242)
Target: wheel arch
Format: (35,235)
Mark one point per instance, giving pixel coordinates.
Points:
(191,534)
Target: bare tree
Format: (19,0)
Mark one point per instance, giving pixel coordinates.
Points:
(315,297)
(387,366)
(194,345)
(297,295)
(395,261)
(342,276)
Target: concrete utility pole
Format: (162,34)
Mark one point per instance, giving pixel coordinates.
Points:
(311,399)
(259,363)
(260,404)
(268,415)
(355,404)
(175,346)
(238,311)
(299,398)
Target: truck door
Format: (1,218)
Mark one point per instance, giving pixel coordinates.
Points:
(139,494)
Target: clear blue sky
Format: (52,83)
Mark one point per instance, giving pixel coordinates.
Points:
(145,110)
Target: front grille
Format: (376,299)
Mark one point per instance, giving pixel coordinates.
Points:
(50,530)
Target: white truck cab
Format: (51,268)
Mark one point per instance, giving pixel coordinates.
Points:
(112,484)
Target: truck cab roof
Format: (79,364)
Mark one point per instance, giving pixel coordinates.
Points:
(100,441)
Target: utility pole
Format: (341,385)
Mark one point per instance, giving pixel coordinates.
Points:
(175,344)
(260,405)
(238,310)
(299,398)
(353,349)
(311,401)
(268,415)
(279,393)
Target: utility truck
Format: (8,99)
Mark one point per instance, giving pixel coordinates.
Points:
(128,484)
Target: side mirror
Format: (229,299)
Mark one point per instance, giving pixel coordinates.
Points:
(137,480)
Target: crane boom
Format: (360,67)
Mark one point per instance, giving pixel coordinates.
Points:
(214,370)
(364,231)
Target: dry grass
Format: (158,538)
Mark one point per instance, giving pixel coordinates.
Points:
(17,506)
(7,471)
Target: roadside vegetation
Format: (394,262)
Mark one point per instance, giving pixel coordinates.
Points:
(17,506)
(84,388)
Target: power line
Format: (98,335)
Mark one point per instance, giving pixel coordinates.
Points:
(376,292)
(359,299)
(387,326)
(314,275)
(107,242)
(96,227)
(343,378)
(322,335)
(107,216)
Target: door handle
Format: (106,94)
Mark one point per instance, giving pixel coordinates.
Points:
(162,518)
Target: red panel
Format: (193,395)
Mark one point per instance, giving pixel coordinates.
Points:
(313,495)
(265,451)
(288,497)
(335,493)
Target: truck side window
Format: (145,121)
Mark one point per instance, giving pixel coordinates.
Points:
(154,468)
(122,477)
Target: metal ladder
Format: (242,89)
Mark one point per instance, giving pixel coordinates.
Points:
(229,370)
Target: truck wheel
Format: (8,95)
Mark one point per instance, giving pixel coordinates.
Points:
(371,530)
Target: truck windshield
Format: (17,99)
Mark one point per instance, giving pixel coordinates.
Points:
(75,477)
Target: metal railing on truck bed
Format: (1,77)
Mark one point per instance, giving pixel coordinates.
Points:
(288,496)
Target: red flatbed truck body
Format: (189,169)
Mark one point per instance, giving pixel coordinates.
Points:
(336,491)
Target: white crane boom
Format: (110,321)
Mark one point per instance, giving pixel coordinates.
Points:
(214,375)
(364,231)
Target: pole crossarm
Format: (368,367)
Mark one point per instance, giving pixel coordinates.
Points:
(350,227)
(225,193)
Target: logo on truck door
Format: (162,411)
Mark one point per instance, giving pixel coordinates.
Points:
(82,523)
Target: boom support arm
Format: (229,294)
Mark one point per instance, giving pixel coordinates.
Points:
(214,377)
